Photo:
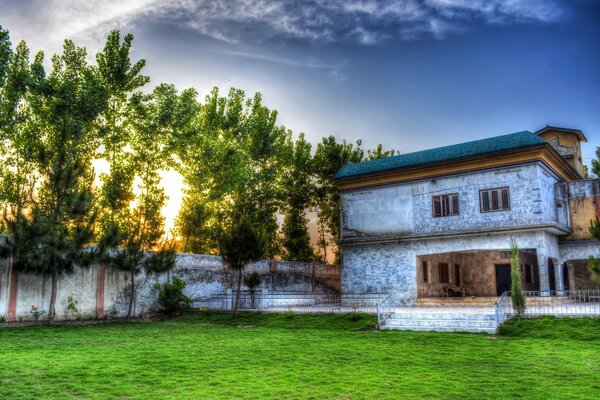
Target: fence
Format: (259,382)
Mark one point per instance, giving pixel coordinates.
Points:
(305,302)
(562,303)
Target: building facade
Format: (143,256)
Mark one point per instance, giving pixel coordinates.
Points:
(439,222)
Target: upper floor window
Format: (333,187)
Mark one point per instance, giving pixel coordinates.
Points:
(445,205)
(494,200)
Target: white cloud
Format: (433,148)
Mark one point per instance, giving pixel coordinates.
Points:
(45,23)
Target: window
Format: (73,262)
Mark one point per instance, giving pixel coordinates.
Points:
(425,272)
(445,205)
(456,274)
(494,200)
(444,276)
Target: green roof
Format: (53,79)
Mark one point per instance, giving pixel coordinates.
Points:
(441,154)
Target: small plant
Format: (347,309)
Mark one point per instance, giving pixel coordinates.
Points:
(516,290)
(354,316)
(289,314)
(36,312)
(72,307)
(171,297)
(2,319)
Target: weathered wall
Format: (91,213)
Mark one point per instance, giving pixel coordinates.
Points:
(583,199)
(406,209)
(568,145)
(105,292)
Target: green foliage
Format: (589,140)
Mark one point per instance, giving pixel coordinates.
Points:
(2,319)
(516,290)
(72,307)
(171,297)
(594,263)
(252,280)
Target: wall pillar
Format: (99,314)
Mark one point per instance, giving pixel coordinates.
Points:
(100,291)
(571,269)
(558,275)
(12,295)
(542,261)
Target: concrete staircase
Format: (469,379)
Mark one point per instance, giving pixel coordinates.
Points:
(443,319)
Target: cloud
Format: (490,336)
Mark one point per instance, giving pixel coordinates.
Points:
(366,22)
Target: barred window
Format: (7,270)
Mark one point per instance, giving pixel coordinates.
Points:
(445,205)
(443,273)
(528,273)
(494,200)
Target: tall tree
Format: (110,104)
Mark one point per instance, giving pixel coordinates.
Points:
(298,189)
(330,156)
(62,127)
(134,234)
(231,162)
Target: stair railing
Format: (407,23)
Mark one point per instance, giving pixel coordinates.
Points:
(384,309)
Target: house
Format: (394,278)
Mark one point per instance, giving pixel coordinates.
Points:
(438,223)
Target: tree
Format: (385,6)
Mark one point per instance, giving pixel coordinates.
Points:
(231,161)
(298,188)
(516,290)
(134,225)
(52,232)
(241,243)
(594,263)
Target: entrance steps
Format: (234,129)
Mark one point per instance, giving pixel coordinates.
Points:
(443,319)
(470,301)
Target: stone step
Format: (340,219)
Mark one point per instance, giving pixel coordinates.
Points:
(456,302)
(462,323)
(443,316)
(440,329)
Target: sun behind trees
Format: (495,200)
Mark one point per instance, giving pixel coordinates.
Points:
(233,155)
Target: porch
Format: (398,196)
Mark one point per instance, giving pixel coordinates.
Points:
(474,278)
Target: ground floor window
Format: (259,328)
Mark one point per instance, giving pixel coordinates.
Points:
(443,273)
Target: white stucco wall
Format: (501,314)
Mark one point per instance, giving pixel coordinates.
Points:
(406,209)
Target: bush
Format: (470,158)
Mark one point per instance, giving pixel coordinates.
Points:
(171,297)
(2,319)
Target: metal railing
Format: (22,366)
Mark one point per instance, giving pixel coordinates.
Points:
(307,302)
(562,303)
(384,309)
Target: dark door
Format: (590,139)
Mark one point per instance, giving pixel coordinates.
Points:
(565,272)
(502,278)
(551,275)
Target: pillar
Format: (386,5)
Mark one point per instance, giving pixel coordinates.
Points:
(558,276)
(100,291)
(12,295)
(542,261)
(571,269)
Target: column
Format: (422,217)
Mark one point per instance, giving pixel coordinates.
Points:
(571,269)
(558,275)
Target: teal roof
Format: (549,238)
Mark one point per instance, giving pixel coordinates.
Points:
(441,154)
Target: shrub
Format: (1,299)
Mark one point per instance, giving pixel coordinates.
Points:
(72,307)
(171,297)
(2,319)
(516,290)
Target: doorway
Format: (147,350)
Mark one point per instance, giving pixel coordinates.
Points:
(502,278)
(551,275)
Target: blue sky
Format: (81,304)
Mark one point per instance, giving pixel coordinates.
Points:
(410,74)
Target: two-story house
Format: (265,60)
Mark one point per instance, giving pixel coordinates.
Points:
(439,222)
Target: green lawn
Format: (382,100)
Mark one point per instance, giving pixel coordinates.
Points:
(278,356)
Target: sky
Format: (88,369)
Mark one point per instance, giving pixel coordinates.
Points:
(410,74)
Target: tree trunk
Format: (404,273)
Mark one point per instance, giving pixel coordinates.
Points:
(237,294)
(52,309)
(132,297)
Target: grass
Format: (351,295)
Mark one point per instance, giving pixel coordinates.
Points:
(287,356)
